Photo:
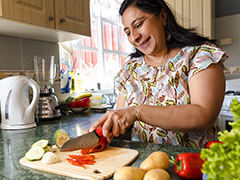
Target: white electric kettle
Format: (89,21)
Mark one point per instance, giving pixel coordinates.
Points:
(16,110)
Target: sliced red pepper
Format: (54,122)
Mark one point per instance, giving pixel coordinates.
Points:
(188,165)
(75,163)
(82,157)
(212,142)
(91,162)
(102,144)
(84,161)
(80,160)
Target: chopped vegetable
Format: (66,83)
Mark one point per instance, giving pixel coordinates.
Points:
(43,143)
(81,160)
(75,163)
(42,149)
(102,143)
(222,159)
(35,153)
(60,137)
(83,157)
(48,148)
(50,158)
(188,165)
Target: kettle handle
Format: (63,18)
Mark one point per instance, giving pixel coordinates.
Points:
(36,93)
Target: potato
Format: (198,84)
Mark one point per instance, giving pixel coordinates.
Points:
(156,174)
(156,160)
(129,173)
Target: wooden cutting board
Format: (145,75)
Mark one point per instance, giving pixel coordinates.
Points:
(106,164)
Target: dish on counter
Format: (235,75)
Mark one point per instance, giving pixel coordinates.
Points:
(79,105)
(79,109)
(99,108)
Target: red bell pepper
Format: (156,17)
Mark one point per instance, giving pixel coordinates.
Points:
(80,160)
(188,165)
(102,143)
(75,163)
(212,142)
(82,157)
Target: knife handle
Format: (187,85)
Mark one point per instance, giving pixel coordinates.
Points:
(98,132)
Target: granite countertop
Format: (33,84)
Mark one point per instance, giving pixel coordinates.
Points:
(15,143)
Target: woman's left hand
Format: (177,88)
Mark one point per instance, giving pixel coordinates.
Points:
(115,122)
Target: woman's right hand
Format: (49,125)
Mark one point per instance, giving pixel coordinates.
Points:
(115,122)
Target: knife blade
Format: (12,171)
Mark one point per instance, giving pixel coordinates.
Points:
(84,141)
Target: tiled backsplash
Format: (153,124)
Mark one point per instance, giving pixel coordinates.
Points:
(228,27)
(4,74)
(16,54)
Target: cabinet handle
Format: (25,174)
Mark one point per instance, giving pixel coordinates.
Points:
(62,20)
(51,18)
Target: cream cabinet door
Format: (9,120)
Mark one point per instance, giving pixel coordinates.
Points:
(73,16)
(194,14)
(35,12)
(48,20)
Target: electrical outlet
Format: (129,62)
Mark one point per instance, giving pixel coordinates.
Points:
(226,41)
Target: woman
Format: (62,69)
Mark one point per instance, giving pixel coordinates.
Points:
(172,88)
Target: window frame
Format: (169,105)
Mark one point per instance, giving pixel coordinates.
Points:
(100,49)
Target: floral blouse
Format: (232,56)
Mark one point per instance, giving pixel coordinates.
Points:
(141,83)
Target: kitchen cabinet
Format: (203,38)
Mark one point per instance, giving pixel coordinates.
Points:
(49,20)
(197,14)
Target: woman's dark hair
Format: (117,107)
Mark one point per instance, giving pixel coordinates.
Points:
(180,37)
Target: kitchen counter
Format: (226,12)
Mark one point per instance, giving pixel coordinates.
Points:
(15,143)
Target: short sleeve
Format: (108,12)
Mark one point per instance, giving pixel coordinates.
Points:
(203,56)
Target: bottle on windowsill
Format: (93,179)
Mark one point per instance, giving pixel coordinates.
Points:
(78,83)
(73,84)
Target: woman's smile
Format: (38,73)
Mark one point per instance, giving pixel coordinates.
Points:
(144,43)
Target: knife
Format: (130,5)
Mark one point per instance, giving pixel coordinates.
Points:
(84,141)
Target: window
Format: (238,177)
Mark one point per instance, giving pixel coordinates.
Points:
(98,58)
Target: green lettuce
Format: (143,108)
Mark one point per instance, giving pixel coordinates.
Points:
(222,161)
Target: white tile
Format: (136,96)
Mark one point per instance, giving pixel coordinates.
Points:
(224,25)
(32,48)
(53,49)
(236,22)
(10,53)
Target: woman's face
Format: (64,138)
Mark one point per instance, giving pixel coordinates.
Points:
(145,31)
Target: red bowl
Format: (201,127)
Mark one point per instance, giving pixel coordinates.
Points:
(84,102)
(82,109)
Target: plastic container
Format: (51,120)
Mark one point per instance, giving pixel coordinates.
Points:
(66,83)
(96,99)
